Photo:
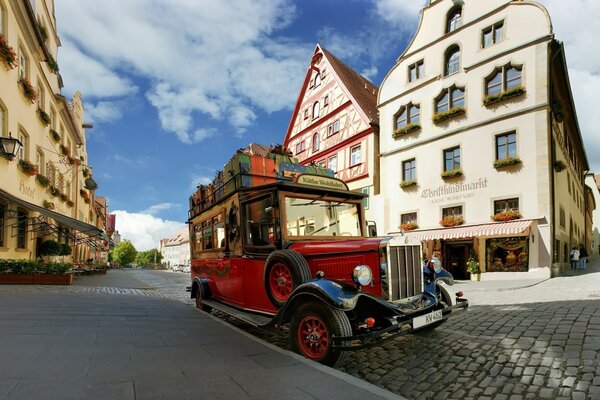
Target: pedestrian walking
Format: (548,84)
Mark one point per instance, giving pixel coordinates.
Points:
(583,254)
(574,257)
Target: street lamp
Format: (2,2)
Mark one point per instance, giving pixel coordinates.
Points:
(10,146)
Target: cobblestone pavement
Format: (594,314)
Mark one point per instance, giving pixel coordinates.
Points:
(540,342)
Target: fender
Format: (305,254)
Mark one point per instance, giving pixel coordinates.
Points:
(432,278)
(200,283)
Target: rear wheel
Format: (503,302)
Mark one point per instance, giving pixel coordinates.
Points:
(200,301)
(286,269)
(312,330)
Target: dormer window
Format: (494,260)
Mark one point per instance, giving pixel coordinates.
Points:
(316,109)
(454,19)
(317,80)
(452,61)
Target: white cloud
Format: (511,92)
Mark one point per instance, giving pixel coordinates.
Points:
(144,230)
(153,210)
(369,73)
(212,58)
(103,111)
(403,14)
(199,180)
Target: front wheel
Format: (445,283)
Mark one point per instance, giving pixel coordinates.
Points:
(200,301)
(312,329)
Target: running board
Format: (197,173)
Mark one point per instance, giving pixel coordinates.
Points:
(246,316)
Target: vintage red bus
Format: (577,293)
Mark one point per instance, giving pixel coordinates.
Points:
(280,245)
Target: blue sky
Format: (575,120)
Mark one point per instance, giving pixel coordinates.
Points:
(173,88)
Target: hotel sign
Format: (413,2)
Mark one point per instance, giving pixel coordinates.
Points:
(454,192)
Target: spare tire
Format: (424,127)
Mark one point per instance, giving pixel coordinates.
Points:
(285,270)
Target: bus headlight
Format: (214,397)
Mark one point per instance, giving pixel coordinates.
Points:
(362,275)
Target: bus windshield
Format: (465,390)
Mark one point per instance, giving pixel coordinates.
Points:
(316,217)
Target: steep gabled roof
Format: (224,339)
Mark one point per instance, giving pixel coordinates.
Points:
(360,88)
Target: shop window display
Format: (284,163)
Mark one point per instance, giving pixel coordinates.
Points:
(507,254)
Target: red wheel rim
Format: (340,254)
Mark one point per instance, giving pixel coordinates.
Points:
(280,282)
(313,337)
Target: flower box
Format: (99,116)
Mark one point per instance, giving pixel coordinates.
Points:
(28,90)
(451,113)
(54,191)
(455,173)
(507,94)
(7,53)
(410,226)
(451,220)
(55,135)
(506,215)
(65,150)
(28,168)
(406,130)
(44,117)
(42,180)
(52,64)
(559,165)
(407,184)
(506,162)
(73,160)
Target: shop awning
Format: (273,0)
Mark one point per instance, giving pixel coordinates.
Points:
(72,223)
(517,227)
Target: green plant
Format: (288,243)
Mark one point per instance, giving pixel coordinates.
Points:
(42,30)
(7,53)
(65,150)
(44,117)
(506,215)
(559,165)
(63,197)
(405,184)
(452,220)
(54,191)
(55,268)
(65,250)
(55,135)
(18,266)
(42,180)
(48,204)
(28,167)
(452,174)
(85,172)
(473,266)
(453,112)
(405,130)
(505,162)
(70,203)
(52,64)
(507,94)
(28,90)
(49,248)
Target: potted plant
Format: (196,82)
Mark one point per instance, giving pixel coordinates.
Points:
(7,53)
(65,150)
(559,165)
(42,180)
(506,162)
(506,215)
(451,113)
(55,135)
(473,268)
(54,191)
(406,130)
(52,64)
(507,94)
(28,90)
(44,117)
(407,184)
(28,167)
(452,220)
(409,226)
(455,173)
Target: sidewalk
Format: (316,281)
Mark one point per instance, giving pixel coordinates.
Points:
(59,344)
(592,266)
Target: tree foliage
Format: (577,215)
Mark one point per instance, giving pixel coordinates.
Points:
(148,257)
(124,253)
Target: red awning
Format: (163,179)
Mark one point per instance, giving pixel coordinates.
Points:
(518,227)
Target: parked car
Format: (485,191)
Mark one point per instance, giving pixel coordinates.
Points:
(176,267)
(185,268)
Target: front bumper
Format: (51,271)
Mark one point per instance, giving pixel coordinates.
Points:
(399,325)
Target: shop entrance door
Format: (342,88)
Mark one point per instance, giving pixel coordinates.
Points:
(456,258)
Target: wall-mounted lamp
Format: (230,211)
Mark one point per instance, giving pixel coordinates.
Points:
(10,146)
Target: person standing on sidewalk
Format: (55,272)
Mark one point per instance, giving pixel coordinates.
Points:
(583,254)
(574,257)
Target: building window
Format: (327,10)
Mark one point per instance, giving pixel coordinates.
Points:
(2,23)
(506,146)
(21,229)
(503,79)
(408,115)
(492,34)
(40,162)
(336,126)
(329,130)
(326,101)
(415,71)
(366,191)
(332,163)
(316,109)
(506,205)
(3,122)
(316,142)
(40,99)
(306,112)
(23,150)
(408,218)
(2,218)
(52,119)
(452,159)
(450,98)
(454,19)
(355,155)
(452,61)
(509,254)
(409,170)
(317,80)
(456,211)
(321,164)
(300,147)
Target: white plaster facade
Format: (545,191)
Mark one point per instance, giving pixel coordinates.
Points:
(176,250)
(525,44)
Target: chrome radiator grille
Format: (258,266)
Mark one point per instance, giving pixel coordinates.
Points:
(405,272)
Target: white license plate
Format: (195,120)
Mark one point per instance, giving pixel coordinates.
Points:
(427,319)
